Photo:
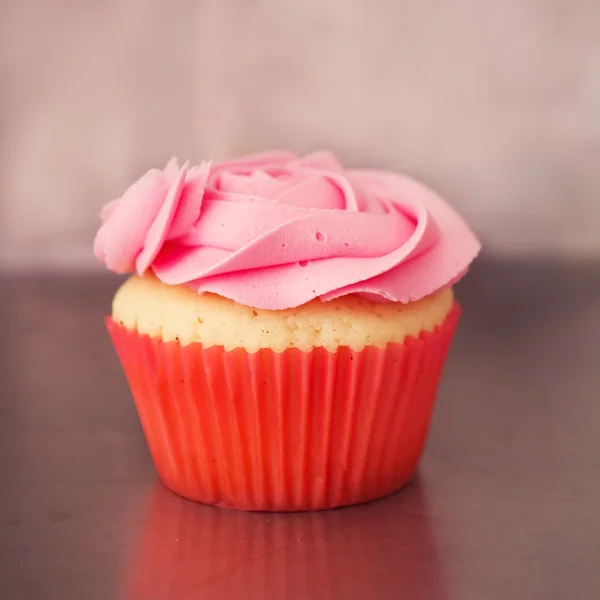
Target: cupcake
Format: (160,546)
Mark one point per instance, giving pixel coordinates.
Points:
(286,325)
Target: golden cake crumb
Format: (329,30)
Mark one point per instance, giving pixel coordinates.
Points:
(178,313)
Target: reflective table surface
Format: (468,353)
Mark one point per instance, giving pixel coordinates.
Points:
(506,503)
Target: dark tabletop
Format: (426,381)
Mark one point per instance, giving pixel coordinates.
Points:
(506,504)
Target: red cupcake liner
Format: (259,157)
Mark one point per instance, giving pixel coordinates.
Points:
(284,431)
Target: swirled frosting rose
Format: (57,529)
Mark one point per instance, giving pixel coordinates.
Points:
(274,231)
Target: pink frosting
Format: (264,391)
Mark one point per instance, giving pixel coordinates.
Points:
(274,231)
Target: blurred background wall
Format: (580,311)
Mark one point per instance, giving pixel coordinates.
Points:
(494,103)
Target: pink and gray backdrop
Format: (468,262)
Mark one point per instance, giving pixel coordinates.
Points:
(495,104)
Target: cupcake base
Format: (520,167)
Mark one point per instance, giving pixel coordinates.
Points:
(284,431)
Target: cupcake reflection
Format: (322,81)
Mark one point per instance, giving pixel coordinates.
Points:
(384,549)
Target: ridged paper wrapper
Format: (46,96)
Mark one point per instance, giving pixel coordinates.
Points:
(284,431)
